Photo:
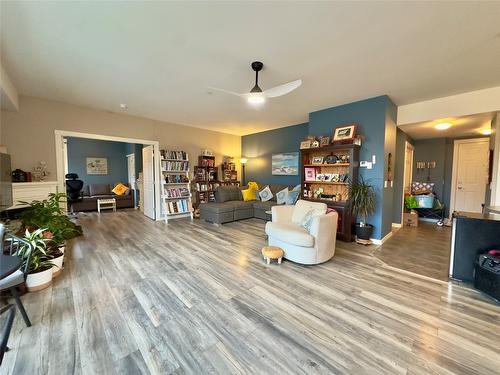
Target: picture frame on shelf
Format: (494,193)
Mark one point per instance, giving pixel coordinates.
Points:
(315,144)
(304,145)
(317,160)
(324,141)
(331,159)
(310,174)
(344,133)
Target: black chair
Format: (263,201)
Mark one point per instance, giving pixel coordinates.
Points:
(10,243)
(4,336)
(74,191)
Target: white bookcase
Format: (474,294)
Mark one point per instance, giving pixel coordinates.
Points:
(176,187)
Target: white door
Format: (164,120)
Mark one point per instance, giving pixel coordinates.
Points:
(148,191)
(131,170)
(470,177)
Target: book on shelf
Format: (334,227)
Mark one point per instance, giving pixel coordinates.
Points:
(173,155)
(178,207)
(176,178)
(181,192)
(181,166)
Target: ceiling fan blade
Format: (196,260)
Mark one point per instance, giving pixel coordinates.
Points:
(226,91)
(282,89)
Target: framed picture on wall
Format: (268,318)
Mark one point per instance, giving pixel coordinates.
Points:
(97,166)
(344,133)
(285,164)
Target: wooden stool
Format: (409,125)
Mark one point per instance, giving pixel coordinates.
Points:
(272,252)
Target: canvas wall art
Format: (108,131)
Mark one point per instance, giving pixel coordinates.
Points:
(285,164)
(97,166)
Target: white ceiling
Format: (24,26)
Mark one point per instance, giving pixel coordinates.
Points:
(465,126)
(160,57)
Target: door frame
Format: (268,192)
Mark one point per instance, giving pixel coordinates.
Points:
(407,145)
(128,175)
(59,139)
(457,142)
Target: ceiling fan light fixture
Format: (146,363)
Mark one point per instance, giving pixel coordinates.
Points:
(256,98)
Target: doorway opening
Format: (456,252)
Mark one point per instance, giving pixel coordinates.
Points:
(444,168)
(102,161)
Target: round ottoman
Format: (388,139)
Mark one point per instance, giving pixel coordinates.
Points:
(272,252)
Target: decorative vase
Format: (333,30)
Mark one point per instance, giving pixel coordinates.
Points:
(57,264)
(39,280)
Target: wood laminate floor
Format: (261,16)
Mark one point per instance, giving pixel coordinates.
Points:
(424,250)
(141,297)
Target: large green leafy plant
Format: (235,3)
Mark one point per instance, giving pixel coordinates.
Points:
(363,199)
(48,214)
(35,253)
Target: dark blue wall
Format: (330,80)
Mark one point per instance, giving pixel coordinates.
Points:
(79,149)
(371,116)
(376,119)
(259,147)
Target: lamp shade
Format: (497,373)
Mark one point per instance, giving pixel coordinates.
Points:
(243,160)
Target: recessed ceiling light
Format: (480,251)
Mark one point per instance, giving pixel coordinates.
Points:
(443,126)
(123,106)
(485,131)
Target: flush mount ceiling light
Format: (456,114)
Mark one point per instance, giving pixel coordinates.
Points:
(123,106)
(256,94)
(485,131)
(443,126)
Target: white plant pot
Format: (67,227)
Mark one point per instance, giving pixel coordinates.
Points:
(62,249)
(57,265)
(39,280)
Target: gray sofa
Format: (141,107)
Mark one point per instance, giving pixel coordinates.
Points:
(229,205)
(93,192)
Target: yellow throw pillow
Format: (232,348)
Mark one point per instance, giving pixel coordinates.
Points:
(249,194)
(253,185)
(120,189)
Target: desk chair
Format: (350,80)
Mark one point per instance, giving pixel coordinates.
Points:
(11,282)
(74,191)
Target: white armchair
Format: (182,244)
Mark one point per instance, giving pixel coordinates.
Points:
(313,246)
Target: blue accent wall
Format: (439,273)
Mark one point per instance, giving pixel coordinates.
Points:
(259,147)
(376,122)
(79,149)
(376,119)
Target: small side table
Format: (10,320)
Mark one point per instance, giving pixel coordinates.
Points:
(106,204)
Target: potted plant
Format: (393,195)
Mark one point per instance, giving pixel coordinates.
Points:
(362,197)
(40,267)
(55,253)
(48,214)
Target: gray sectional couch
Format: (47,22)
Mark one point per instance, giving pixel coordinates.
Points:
(229,205)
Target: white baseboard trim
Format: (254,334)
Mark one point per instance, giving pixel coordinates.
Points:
(380,242)
(397,225)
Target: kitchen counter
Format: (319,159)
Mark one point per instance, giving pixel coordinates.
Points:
(472,234)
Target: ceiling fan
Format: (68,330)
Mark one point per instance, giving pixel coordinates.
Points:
(256,95)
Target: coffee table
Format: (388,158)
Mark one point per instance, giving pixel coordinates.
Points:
(106,204)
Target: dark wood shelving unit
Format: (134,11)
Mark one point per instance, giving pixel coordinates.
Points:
(337,188)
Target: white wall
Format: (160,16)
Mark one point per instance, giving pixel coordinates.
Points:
(480,101)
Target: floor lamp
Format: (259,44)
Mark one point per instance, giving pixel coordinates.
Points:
(243,161)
